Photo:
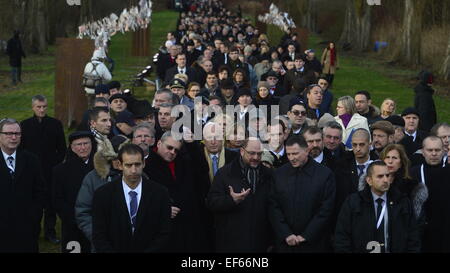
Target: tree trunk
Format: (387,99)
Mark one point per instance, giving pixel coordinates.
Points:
(309,19)
(445,71)
(412,29)
(357,26)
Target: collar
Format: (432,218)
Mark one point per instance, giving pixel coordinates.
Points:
(127,189)
(5,156)
(212,155)
(414,135)
(319,158)
(280,153)
(375,197)
(365,163)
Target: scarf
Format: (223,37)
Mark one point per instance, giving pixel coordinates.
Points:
(345,119)
(252,174)
(332,57)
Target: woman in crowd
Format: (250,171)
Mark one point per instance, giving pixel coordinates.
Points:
(349,119)
(387,108)
(330,62)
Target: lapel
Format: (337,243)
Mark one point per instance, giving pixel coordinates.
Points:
(20,165)
(122,205)
(144,204)
(4,170)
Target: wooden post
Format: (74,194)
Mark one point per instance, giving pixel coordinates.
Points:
(141,43)
(70,100)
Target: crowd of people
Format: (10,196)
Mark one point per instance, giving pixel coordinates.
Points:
(302,178)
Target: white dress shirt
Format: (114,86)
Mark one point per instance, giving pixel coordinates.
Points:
(414,135)
(127,189)
(319,158)
(386,234)
(5,156)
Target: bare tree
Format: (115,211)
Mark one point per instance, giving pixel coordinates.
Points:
(357,26)
(445,70)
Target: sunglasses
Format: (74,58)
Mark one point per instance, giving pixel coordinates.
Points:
(296,113)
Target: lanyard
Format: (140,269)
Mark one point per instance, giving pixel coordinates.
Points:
(381,215)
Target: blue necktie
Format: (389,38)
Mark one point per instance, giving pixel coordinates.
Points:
(133,207)
(215,164)
(11,164)
(360,170)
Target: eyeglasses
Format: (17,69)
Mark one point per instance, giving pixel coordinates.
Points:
(296,113)
(171,148)
(258,154)
(10,134)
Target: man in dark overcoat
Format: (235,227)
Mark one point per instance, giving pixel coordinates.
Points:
(239,199)
(21,192)
(302,202)
(67,179)
(44,136)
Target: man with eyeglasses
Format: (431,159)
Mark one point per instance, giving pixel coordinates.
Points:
(67,179)
(22,192)
(276,88)
(239,199)
(297,116)
(181,172)
(302,221)
(44,136)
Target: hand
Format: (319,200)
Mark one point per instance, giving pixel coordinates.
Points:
(175,211)
(300,239)
(292,240)
(238,197)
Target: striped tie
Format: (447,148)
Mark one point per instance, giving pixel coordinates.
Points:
(133,207)
(11,164)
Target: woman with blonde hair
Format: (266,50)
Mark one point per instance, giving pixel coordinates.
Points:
(349,119)
(387,108)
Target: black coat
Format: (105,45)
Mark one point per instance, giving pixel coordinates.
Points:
(111,224)
(242,227)
(436,237)
(165,62)
(187,192)
(424,103)
(67,179)
(302,204)
(356,224)
(347,181)
(46,140)
(15,51)
(171,72)
(21,203)
(411,146)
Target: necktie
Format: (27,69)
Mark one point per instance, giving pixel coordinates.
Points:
(380,229)
(215,164)
(360,170)
(181,71)
(11,164)
(133,207)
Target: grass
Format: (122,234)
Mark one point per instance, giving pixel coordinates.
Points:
(39,78)
(381,80)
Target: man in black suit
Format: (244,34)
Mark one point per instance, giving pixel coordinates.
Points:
(412,141)
(314,137)
(180,68)
(44,136)
(21,192)
(131,214)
